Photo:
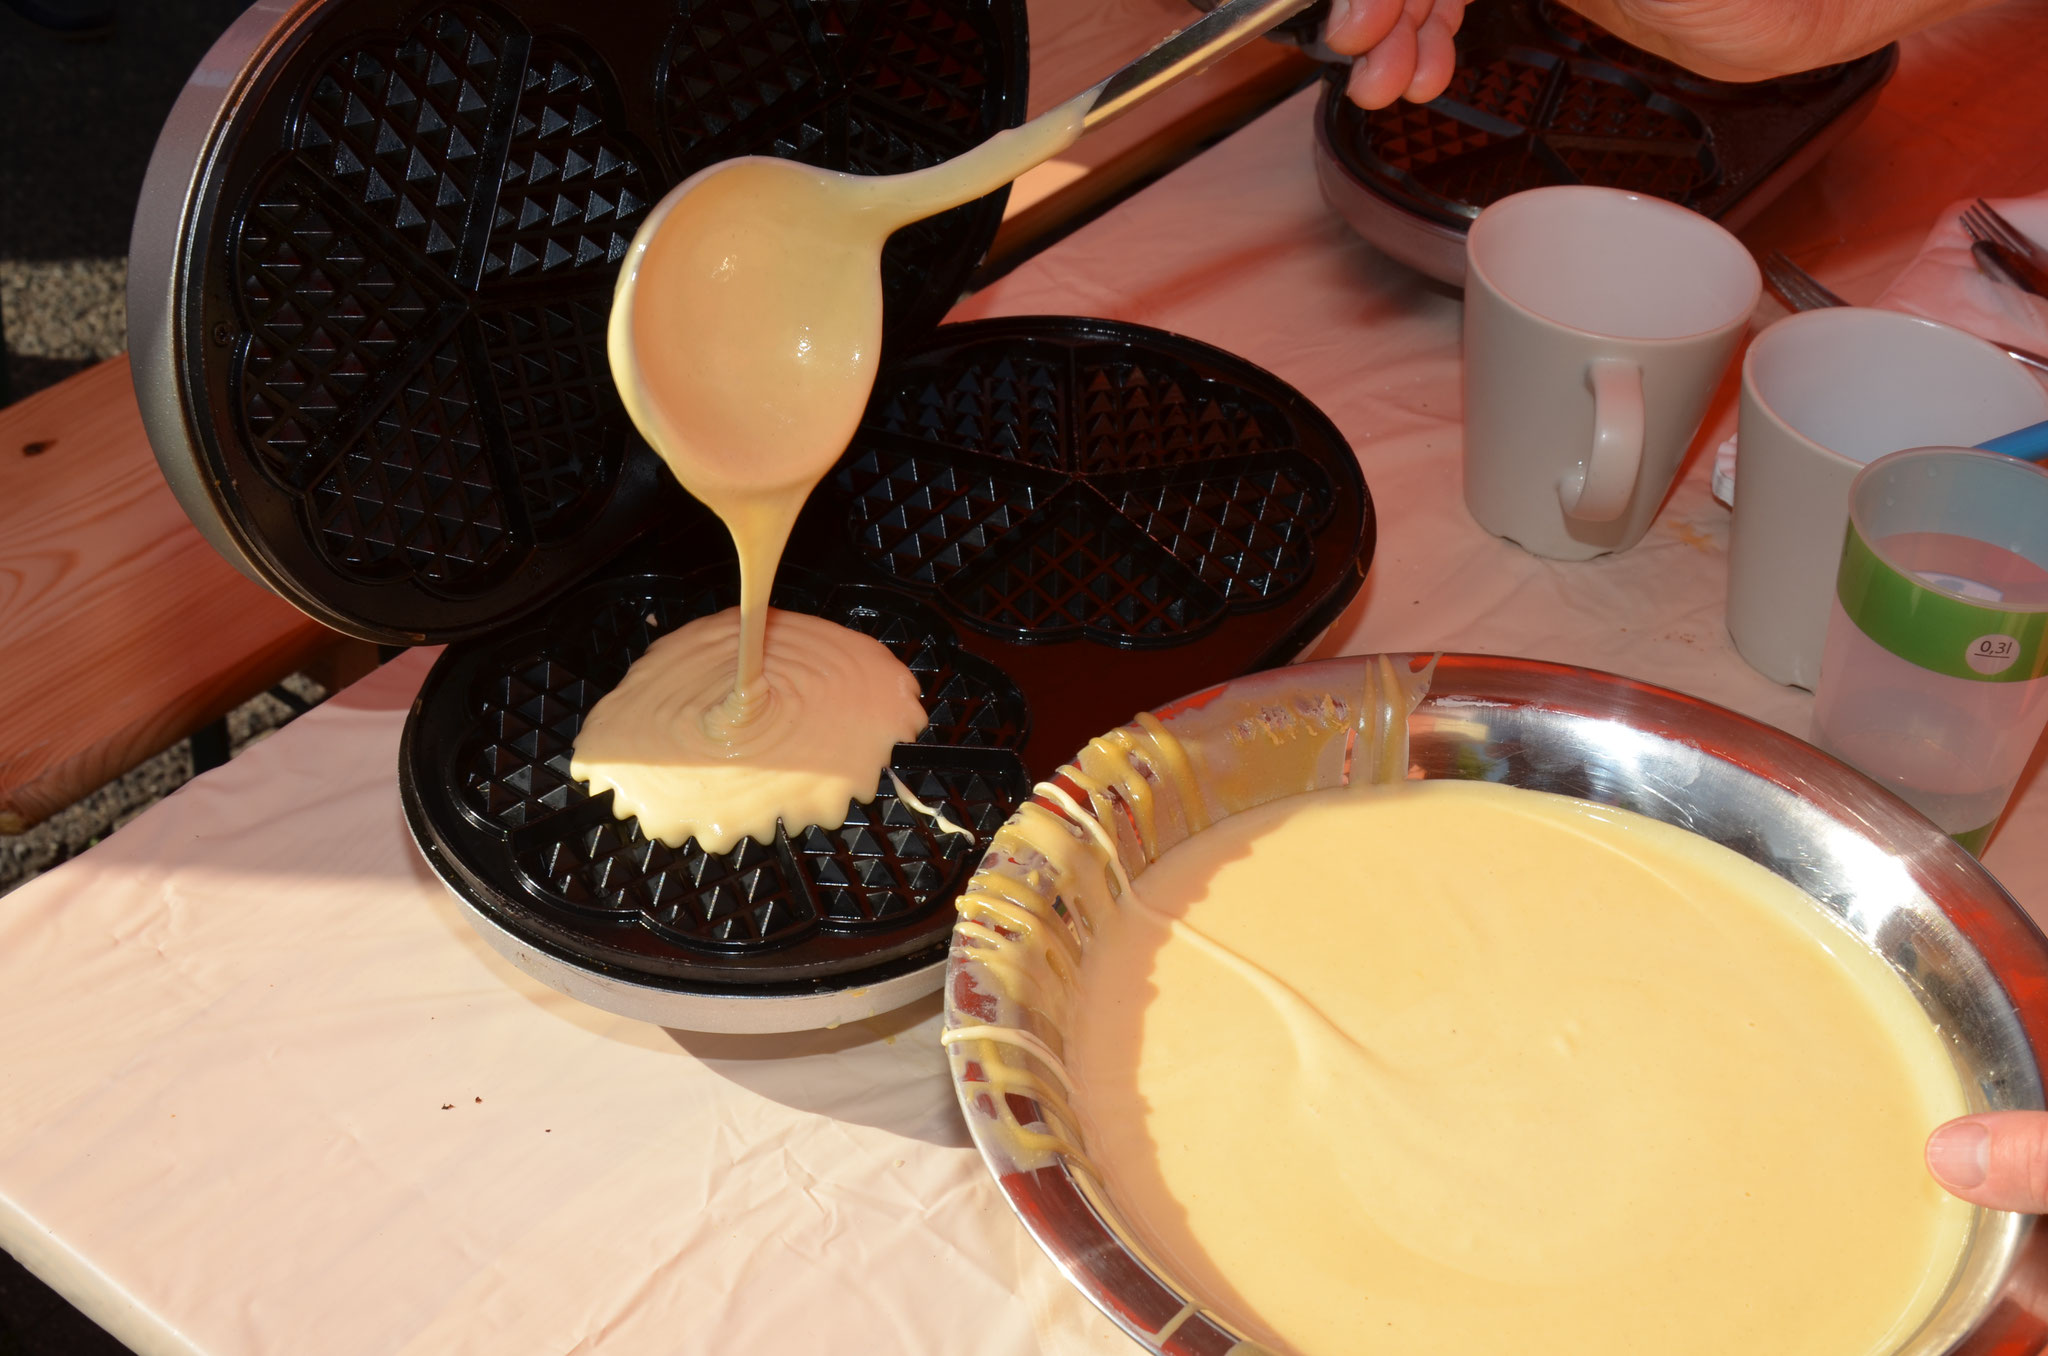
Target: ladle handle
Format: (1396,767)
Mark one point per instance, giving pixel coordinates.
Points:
(1216,34)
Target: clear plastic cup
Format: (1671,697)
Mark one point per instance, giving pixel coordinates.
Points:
(1935,676)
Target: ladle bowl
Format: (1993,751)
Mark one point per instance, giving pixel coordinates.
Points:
(760,282)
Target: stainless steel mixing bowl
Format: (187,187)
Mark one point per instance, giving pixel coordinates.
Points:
(1976,963)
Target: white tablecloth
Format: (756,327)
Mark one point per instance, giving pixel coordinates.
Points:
(262,1091)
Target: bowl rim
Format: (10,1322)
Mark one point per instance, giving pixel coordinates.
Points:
(1071,1218)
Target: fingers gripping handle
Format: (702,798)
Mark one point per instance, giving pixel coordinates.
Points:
(1599,488)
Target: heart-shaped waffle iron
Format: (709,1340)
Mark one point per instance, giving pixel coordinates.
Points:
(1045,518)
(375,256)
(487,782)
(1542,95)
(370,342)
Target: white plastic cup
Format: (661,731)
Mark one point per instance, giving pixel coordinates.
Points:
(1824,393)
(1597,325)
(1935,675)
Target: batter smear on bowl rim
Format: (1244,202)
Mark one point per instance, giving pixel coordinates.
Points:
(1449,1066)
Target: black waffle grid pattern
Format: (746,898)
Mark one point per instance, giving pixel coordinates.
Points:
(435,427)
(1015,481)
(417,278)
(1543,96)
(855,85)
(564,853)
(1516,119)
(1064,487)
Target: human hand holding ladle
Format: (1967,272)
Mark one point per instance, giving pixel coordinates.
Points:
(748,316)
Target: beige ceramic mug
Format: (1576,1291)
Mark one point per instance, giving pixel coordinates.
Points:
(1823,393)
(1597,325)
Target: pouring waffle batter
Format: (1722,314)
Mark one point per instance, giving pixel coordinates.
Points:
(744,336)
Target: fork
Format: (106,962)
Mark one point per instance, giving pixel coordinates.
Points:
(2001,251)
(1803,292)
(2001,265)
(1983,222)
(1795,286)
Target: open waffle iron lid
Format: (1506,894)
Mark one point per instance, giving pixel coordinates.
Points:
(371,349)
(376,246)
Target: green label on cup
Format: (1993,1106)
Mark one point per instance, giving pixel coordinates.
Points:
(1941,634)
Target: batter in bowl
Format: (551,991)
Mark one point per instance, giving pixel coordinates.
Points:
(1454,1067)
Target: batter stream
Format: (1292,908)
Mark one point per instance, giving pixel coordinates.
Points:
(744,335)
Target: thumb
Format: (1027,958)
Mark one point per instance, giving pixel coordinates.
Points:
(1357,26)
(1997,1159)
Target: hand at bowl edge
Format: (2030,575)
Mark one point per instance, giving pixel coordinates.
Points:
(1996,1159)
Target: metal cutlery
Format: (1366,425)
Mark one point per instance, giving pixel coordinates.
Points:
(2002,251)
(1990,225)
(1795,286)
(1801,291)
(1998,264)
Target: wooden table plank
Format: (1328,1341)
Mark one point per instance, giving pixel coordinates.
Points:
(121,630)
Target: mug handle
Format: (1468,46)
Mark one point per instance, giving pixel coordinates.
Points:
(1599,488)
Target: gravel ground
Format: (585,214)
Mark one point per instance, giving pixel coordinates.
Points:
(24,856)
(80,120)
(62,315)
